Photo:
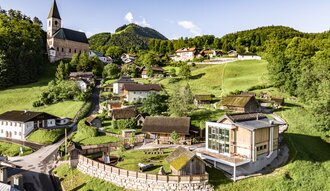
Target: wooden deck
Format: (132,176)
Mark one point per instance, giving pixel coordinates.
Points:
(232,160)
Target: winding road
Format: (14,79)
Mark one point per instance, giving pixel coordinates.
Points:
(37,165)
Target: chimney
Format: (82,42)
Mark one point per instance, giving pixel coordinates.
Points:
(17,181)
(3,174)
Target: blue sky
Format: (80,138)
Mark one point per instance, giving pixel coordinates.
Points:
(176,18)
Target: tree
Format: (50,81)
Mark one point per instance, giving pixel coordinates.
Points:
(154,104)
(175,137)
(111,71)
(180,102)
(62,71)
(129,69)
(115,52)
(172,72)
(84,63)
(185,71)
(150,72)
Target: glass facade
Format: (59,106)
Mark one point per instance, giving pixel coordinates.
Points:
(218,139)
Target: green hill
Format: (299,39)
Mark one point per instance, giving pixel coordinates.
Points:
(222,79)
(127,36)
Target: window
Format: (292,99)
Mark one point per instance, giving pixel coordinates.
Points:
(70,50)
(1,130)
(75,50)
(15,133)
(49,23)
(56,23)
(62,49)
(10,123)
(19,133)
(58,49)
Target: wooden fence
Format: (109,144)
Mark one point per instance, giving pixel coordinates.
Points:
(144,176)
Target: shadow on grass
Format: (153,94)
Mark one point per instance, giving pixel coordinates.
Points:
(198,76)
(79,187)
(307,148)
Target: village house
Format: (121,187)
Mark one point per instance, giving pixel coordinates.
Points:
(207,53)
(100,56)
(200,99)
(11,177)
(246,140)
(61,42)
(138,92)
(248,56)
(157,72)
(277,102)
(118,85)
(93,121)
(81,75)
(232,53)
(124,113)
(128,58)
(184,162)
(83,84)
(240,103)
(111,105)
(160,128)
(185,54)
(107,88)
(19,124)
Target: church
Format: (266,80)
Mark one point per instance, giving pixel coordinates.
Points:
(61,42)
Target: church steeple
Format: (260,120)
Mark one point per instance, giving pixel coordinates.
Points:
(53,20)
(54,13)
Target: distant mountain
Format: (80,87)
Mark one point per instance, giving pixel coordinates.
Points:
(127,36)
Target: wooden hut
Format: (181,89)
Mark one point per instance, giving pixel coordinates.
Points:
(184,162)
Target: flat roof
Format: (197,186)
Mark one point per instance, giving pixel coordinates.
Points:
(223,159)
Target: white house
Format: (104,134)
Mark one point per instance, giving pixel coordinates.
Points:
(118,85)
(19,124)
(185,54)
(83,84)
(128,58)
(138,92)
(248,56)
(232,53)
(100,56)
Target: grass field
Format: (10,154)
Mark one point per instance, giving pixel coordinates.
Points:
(133,157)
(22,97)
(222,79)
(45,136)
(10,149)
(309,165)
(75,180)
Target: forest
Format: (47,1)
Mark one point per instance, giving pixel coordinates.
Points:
(22,48)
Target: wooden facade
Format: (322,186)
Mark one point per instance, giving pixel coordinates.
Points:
(195,166)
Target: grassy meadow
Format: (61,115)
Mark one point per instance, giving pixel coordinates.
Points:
(222,79)
(10,149)
(21,97)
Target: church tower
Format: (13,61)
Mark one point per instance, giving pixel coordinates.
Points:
(53,20)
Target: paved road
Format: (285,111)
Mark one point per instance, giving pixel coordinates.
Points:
(38,164)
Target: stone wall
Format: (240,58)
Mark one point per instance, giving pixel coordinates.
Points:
(142,181)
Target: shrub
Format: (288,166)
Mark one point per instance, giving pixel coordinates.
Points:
(124,124)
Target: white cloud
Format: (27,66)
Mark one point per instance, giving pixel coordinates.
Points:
(191,27)
(129,17)
(143,23)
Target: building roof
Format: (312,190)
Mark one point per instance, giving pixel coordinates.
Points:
(25,116)
(91,118)
(248,94)
(7,187)
(124,80)
(116,104)
(186,50)
(126,113)
(251,121)
(142,87)
(54,13)
(278,100)
(98,54)
(180,158)
(180,125)
(203,97)
(81,75)
(68,34)
(236,100)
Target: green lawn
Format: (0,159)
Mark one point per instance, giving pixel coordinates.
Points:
(241,75)
(133,157)
(10,149)
(96,140)
(200,116)
(309,165)
(73,179)
(22,97)
(45,136)
(209,79)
